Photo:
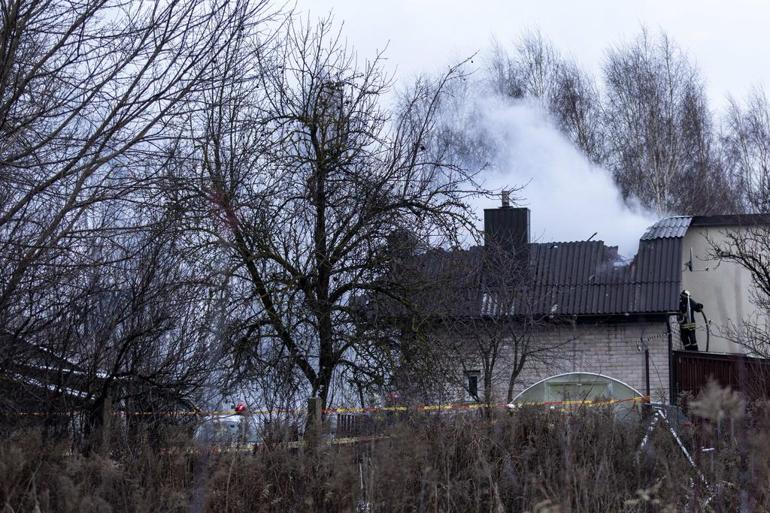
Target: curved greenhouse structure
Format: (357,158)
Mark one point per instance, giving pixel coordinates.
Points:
(574,389)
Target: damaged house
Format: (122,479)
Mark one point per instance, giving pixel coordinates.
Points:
(515,312)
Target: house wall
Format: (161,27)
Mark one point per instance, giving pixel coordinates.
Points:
(724,288)
(610,348)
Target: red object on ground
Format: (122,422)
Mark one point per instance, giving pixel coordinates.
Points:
(240,408)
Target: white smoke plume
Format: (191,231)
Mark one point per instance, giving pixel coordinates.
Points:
(570,198)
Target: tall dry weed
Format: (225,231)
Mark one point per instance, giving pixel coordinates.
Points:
(533,461)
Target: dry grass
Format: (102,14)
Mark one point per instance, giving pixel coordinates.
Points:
(531,461)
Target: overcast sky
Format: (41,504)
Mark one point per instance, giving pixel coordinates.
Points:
(729,41)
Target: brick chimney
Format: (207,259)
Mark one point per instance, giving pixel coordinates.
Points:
(507,229)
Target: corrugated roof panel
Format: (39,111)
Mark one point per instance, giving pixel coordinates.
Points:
(585,278)
(658,271)
(577,262)
(595,304)
(583,292)
(543,277)
(669,227)
(564,265)
(603,298)
(576,265)
(627,296)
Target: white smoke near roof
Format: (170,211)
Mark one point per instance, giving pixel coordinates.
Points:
(570,198)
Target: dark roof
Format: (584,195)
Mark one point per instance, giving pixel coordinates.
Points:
(585,278)
(732,220)
(667,228)
(437,282)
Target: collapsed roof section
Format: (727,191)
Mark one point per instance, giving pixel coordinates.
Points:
(587,278)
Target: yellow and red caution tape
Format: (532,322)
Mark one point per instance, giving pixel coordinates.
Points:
(587,403)
(427,408)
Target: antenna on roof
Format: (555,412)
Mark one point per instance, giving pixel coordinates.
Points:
(592,236)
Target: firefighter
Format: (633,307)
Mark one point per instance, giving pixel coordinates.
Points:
(687,309)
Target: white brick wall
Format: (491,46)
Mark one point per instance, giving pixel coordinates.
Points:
(612,349)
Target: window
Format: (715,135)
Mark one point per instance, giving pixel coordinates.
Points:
(472,384)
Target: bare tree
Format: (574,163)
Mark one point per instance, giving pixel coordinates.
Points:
(651,124)
(301,178)
(746,146)
(576,104)
(90,92)
(490,325)
(130,332)
(93,288)
(531,71)
(658,128)
(535,69)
